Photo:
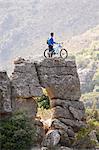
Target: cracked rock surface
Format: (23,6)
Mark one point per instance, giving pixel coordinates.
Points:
(60,78)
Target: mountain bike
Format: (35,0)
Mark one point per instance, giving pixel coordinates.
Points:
(57,49)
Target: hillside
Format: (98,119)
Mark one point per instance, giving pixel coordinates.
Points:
(88,70)
(89,39)
(25,25)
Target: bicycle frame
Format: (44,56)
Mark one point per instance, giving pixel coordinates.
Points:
(57,48)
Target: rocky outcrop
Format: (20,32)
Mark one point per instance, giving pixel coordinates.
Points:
(52,138)
(25,80)
(60,78)
(61,81)
(25,87)
(5,94)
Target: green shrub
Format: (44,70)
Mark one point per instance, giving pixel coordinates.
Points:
(83,133)
(92,115)
(83,140)
(17,132)
(44,102)
(94,125)
(96,77)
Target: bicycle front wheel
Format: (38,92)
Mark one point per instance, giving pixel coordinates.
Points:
(63,53)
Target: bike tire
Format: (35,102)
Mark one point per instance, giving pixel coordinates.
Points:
(65,53)
(46,53)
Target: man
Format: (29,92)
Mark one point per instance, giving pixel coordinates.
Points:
(51,42)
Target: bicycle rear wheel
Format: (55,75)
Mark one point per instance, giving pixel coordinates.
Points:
(63,53)
(46,53)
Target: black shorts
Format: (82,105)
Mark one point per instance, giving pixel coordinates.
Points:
(50,48)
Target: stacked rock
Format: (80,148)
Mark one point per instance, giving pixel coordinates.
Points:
(5,94)
(25,87)
(60,78)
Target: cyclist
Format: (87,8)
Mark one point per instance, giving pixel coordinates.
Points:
(51,42)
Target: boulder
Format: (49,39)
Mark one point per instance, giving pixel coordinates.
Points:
(60,112)
(5,94)
(67,103)
(60,78)
(77,114)
(52,138)
(25,81)
(75,124)
(65,140)
(70,132)
(57,124)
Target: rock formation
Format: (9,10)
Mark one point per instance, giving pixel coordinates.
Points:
(60,78)
(25,87)
(5,94)
(61,81)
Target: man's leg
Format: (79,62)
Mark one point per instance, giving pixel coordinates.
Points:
(50,50)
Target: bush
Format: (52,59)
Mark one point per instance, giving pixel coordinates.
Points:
(83,140)
(44,102)
(94,125)
(90,99)
(17,132)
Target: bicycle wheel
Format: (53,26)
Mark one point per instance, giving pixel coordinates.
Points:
(46,53)
(63,53)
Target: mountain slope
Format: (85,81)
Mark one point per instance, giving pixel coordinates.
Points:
(89,39)
(25,25)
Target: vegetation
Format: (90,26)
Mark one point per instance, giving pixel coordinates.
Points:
(96,77)
(88,59)
(44,102)
(91,100)
(83,139)
(17,132)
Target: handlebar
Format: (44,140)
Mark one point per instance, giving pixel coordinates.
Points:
(60,43)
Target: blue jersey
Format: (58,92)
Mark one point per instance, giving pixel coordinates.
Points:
(51,41)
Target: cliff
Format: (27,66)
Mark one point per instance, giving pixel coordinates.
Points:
(60,78)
